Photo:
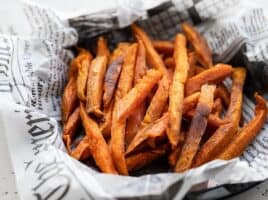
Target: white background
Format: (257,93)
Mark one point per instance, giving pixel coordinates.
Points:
(65,9)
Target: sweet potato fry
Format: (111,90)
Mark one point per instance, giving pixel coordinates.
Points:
(140,160)
(153,130)
(119,51)
(200,45)
(217,107)
(70,127)
(213,120)
(215,144)
(163,47)
(153,58)
(235,107)
(95,85)
(137,95)
(158,102)
(102,48)
(97,145)
(199,69)
(211,76)
(136,117)
(222,92)
(197,128)
(190,102)
(174,155)
(170,63)
(75,62)
(82,151)
(176,93)
(111,79)
(118,128)
(107,124)
(69,99)
(81,82)
(248,133)
(192,63)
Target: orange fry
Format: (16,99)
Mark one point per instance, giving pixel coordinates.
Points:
(158,102)
(215,144)
(200,45)
(235,107)
(136,117)
(152,56)
(97,145)
(69,99)
(82,151)
(199,69)
(176,93)
(174,155)
(190,102)
(192,63)
(163,47)
(102,48)
(197,128)
(211,76)
(213,120)
(153,130)
(118,128)
(222,92)
(136,95)
(110,80)
(248,133)
(170,63)
(140,160)
(217,107)
(107,124)
(95,85)
(70,127)
(81,82)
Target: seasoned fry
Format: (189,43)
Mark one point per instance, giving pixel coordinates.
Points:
(95,85)
(211,76)
(69,99)
(222,92)
(200,45)
(136,117)
(152,56)
(140,160)
(137,95)
(97,145)
(163,47)
(215,144)
(174,155)
(217,107)
(247,134)
(118,128)
(111,79)
(176,93)
(153,130)
(197,128)
(81,82)
(198,69)
(158,102)
(82,151)
(170,63)
(119,51)
(213,120)
(102,48)
(75,62)
(235,107)
(70,127)
(107,124)
(190,102)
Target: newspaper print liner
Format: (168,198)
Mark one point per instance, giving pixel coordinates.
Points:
(44,170)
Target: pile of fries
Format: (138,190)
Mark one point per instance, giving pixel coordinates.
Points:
(149,99)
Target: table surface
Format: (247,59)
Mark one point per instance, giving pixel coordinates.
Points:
(8,189)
